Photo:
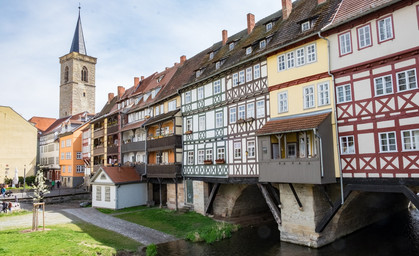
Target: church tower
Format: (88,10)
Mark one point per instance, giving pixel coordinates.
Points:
(77,78)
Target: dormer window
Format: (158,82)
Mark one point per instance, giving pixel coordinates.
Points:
(231,46)
(269,26)
(160,78)
(217,64)
(211,55)
(262,44)
(248,50)
(305,26)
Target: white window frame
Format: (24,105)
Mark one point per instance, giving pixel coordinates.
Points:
(282,64)
(231,46)
(68,143)
(201,93)
(208,154)
(260,109)
(290,59)
(235,79)
(233,115)
(256,71)
(323,93)
(268,26)
(217,65)
(241,77)
(248,50)
(68,155)
(308,92)
(305,26)
(241,111)
(219,119)
(190,157)
(107,193)
(387,144)
(172,105)
(217,86)
(262,44)
(201,123)
(311,53)
(221,153)
(385,29)
(189,124)
(300,54)
(98,193)
(211,55)
(63,144)
(347,145)
(237,152)
(283,102)
(80,168)
(201,156)
(346,97)
(364,36)
(188,97)
(78,155)
(413,140)
(249,73)
(251,146)
(250,110)
(345,43)
(386,84)
(409,82)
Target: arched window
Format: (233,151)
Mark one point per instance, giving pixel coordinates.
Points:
(66,74)
(84,74)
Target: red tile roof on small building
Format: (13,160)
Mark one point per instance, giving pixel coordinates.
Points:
(300,123)
(42,123)
(122,175)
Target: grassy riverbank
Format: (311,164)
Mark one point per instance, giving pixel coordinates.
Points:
(190,225)
(67,239)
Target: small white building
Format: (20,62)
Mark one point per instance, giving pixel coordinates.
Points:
(117,188)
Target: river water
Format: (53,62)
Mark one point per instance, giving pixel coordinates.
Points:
(396,235)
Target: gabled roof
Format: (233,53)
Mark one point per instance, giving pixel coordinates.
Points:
(78,44)
(161,117)
(120,175)
(42,123)
(292,124)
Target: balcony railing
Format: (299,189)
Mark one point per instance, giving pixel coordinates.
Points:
(100,150)
(112,149)
(98,133)
(172,141)
(113,129)
(133,146)
(164,170)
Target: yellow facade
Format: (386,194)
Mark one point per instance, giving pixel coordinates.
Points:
(293,82)
(18,149)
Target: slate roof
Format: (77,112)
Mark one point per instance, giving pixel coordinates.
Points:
(122,175)
(292,124)
(42,123)
(78,44)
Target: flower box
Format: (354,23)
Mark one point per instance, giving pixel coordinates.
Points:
(219,161)
(240,121)
(250,119)
(207,161)
(188,132)
(147,117)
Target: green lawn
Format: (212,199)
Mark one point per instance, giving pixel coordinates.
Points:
(14,213)
(67,239)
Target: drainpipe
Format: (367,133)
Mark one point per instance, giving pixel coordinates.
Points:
(335,115)
(321,151)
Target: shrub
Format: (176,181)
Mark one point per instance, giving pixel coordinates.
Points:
(8,181)
(151,250)
(212,234)
(30,180)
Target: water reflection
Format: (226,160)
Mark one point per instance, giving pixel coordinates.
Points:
(398,235)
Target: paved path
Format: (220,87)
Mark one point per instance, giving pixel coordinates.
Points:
(25,221)
(134,231)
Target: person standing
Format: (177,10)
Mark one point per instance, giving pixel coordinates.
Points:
(52,184)
(3,191)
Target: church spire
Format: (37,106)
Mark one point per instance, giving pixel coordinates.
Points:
(78,40)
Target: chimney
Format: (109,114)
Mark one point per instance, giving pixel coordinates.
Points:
(182,59)
(321,1)
(251,22)
(225,36)
(110,97)
(121,91)
(142,78)
(287,8)
(136,81)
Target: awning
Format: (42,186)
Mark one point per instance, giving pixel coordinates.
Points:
(292,124)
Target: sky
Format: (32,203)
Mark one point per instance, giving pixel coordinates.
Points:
(129,38)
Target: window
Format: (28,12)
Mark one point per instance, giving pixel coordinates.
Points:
(69,168)
(256,71)
(66,71)
(157,111)
(190,158)
(198,73)
(250,110)
(242,112)
(345,45)
(200,93)
(305,26)
(62,155)
(291,150)
(231,46)
(282,102)
(237,150)
(68,155)
(268,26)
(241,77)
(235,79)
(309,97)
(281,62)
(84,74)
(107,194)
(364,36)
(323,92)
(219,119)
(201,123)
(217,65)
(250,149)
(233,115)
(387,141)
(311,53)
(79,168)
(211,55)
(290,60)
(220,153)
(208,154)
(200,156)
(406,80)
(189,124)
(300,57)
(188,97)
(260,109)
(172,105)
(410,140)
(262,44)
(248,74)
(383,85)
(343,93)
(78,156)
(248,50)
(217,87)
(347,145)
(385,29)
(62,143)
(98,193)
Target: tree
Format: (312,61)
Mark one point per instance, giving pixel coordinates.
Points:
(40,188)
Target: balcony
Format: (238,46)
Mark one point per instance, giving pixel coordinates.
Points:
(98,133)
(100,150)
(112,149)
(164,170)
(168,142)
(133,146)
(113,129)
